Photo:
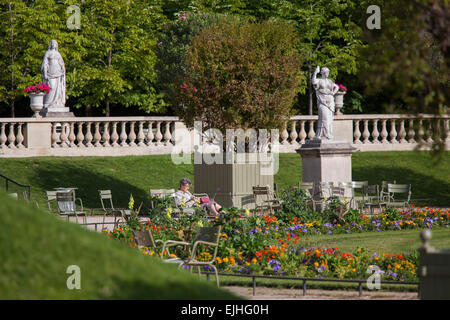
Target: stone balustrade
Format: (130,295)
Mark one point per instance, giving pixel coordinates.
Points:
(117,136)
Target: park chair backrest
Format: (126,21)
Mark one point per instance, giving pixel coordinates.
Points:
(161,192)
(208,234)
(307,186)
(384,185)
(325,189)
(338,192)
(371,191)
(65,201)
(106,195)
(262,192)
(393,189)
(51,196)
(13,195)
(144,238)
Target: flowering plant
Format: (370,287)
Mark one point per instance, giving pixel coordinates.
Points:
(342,88)
(38,88)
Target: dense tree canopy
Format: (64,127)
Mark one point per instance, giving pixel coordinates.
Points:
(132,53)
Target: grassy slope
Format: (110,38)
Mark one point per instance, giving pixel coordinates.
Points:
(136,175)
(36,248)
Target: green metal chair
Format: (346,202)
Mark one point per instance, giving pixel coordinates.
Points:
(309,189)
(371,198)
(66,205)
(109,209)
(145,239)
(265,200)
(383,192)
(357,193)
(206,237)
(393,190)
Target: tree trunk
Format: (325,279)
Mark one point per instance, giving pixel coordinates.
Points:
(107,106)
(310,108)
(11,44)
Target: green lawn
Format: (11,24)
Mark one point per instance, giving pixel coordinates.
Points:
(36,248)
(400,241)
(137,174)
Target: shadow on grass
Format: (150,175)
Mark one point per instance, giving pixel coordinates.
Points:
(88,183)
(422,186)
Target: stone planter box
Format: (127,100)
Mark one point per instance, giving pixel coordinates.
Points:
(231,183)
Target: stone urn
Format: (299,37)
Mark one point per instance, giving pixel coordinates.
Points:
(37,103)
(339,101)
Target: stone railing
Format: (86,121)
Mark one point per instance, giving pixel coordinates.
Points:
(117,136)
(372,132)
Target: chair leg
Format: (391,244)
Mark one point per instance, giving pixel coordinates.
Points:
(216,274)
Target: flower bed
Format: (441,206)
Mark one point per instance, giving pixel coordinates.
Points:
(274,244)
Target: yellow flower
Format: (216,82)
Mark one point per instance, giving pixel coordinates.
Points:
(225,259)
(169,212)
(247,211)
(200,223)
(316,264)
(254,261)
(131,202)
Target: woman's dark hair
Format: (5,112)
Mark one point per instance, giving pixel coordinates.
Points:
(185,181)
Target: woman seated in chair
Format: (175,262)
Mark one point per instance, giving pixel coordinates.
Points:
(190,200)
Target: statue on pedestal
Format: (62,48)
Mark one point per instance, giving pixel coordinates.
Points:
(325,91)
(54,73)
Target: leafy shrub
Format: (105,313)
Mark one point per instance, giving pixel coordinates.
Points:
(240,75)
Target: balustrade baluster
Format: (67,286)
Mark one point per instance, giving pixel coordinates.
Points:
(106,135)
(97,135)
(393,132)
(19,137)
(311,133)
(80,135)
(293,135)
(411,132)
(150,136)
(375,133)
(88,136)
(11,136)
(72,136)
(366,133)
(141,136)
(114,136)
(302,133)
(446,132)
(420,132)
(167,135)
(284,135)
(429,131)
(402,133)
(158,135)
(123,134)
(63,136)
(383,133)
(356,133)
(3,137)
(54,135)
(132,135)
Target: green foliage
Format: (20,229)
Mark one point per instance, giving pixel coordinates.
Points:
(240,74)
(172,46)
(407,60)
(295,205)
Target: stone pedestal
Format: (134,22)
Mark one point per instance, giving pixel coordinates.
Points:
(326,161)
(62,112)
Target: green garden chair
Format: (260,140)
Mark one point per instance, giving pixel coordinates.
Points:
(265,200)
(145,239)
(109,209)
(383,191)
(207,237)
(371,198)
(393,190)
(51,197)
(67,206)
(358,196)
(309,189)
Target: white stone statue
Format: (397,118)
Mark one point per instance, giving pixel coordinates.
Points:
(54,73)
(325,91)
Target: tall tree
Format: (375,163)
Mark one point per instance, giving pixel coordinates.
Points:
(118,68)
(329,35)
